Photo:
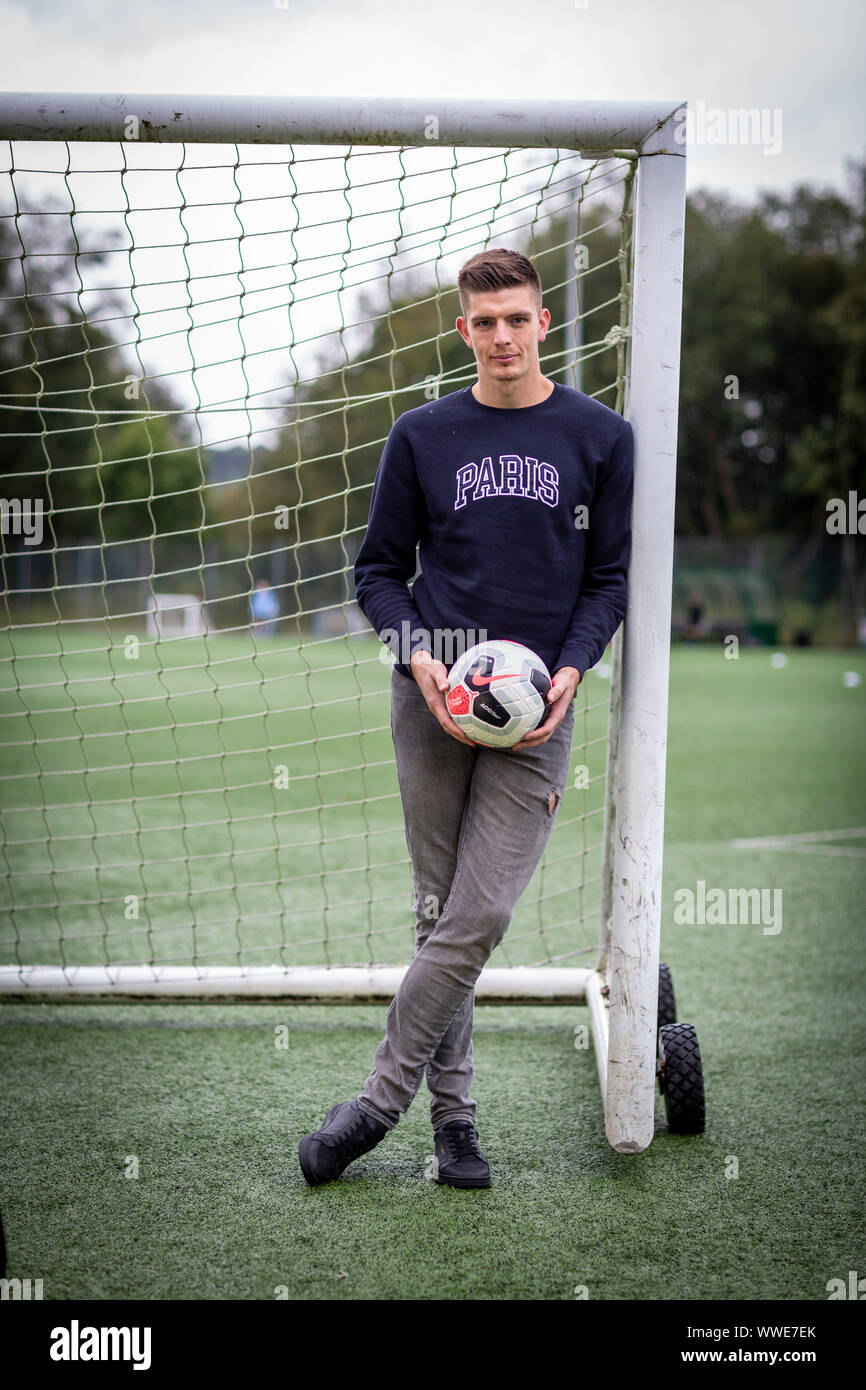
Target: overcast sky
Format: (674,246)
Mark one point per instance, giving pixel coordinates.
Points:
(800,61)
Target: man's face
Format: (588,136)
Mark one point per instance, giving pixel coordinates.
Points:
(504,328)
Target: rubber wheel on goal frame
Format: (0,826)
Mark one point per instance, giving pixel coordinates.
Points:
(667,999)
(681,1078)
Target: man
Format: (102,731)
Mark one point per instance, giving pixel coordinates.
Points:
(519,492)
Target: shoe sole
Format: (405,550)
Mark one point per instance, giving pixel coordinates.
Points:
(463,1182)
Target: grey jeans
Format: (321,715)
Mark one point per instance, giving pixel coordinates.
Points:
(477,821)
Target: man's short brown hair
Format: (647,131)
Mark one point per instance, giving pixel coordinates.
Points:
(497,269)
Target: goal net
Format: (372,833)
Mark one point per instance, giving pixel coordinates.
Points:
(204,347)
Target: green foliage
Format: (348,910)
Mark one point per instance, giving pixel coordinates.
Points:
(773,297)
(127,479)
(772,411)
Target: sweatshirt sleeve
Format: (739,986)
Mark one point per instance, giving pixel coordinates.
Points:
(386,560)
(600,607)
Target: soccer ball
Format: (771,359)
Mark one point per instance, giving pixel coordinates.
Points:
(498,692)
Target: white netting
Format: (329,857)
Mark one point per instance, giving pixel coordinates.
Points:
(203,350)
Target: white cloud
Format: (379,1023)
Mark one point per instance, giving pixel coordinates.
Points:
(734,54)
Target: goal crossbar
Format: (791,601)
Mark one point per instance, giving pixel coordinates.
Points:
(590,127)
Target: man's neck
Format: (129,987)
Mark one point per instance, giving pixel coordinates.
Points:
(516,395)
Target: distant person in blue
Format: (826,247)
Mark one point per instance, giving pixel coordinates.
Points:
(265,608)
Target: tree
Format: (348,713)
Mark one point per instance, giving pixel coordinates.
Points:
(72,440)
(772,389)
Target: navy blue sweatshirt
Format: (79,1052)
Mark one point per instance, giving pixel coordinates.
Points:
(523,519)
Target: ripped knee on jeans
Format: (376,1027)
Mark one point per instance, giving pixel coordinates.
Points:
(552,801)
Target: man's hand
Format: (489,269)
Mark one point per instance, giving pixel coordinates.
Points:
(560,695)
(432,679)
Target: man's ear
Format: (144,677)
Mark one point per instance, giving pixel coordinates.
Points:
(543,324)
(463,330)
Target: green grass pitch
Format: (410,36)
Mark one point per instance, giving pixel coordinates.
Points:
(767,1204)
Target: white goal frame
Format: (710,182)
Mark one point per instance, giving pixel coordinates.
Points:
(189,618)
(621,991)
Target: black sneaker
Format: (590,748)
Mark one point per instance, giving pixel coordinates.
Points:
(346,1133)
(459,1160)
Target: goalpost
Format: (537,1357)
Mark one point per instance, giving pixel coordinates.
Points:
(214,309)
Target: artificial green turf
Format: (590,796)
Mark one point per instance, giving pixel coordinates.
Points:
(213,1109)
(246,797)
